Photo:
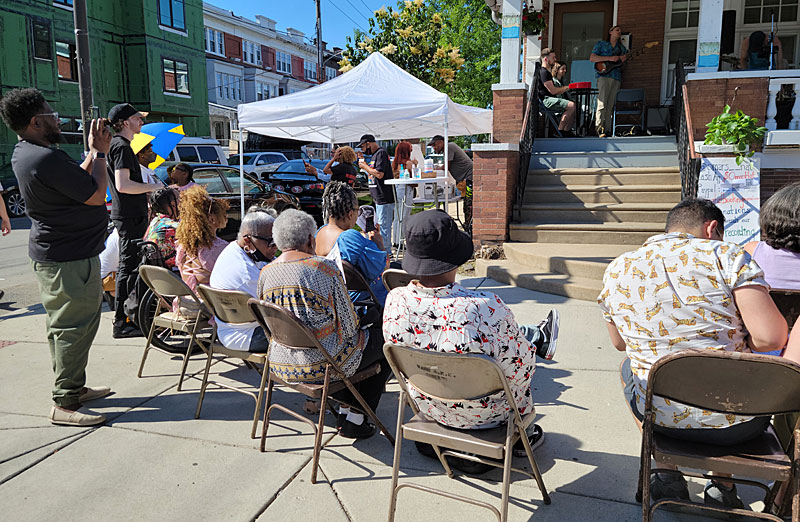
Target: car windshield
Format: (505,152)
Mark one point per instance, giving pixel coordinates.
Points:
(292,166)
(248,159)
(295,154)
(233,178)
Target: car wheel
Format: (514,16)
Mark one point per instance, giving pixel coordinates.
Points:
(15,204)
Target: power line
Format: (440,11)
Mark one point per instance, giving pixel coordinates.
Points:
(356,9)
(347,16)
(365,5)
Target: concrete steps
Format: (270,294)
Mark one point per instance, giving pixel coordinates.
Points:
(579,212)
(602,193)
(522,276)
(585,233)
(621,176)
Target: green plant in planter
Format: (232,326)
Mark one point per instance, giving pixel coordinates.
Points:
(737,129)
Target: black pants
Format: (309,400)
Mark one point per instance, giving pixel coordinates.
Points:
(373,387)
(131,231)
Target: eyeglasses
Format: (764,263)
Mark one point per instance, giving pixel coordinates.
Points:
(53,114)
(267,240)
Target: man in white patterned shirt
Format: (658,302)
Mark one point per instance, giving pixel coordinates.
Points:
(688,289)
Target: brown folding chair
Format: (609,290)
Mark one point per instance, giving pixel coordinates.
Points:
(356,282)
(285,328)
(729,383)
(788,303)
(231,307)
(165,284)
(455,376)
(394,277)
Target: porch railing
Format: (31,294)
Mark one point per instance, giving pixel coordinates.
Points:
(527,136)
(688,159)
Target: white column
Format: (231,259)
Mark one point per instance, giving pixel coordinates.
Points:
(533,52)
(709,33)
(772,107)
(510,47)
(795,123)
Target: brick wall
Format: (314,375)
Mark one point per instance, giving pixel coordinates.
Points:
(773,179)
(509,110)
(494,177)
(707,98)
(645,22)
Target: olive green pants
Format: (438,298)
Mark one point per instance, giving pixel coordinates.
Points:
(71,295)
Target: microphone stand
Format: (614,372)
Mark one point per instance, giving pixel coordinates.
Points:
(772,42)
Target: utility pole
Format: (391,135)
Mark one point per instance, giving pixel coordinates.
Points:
(84,69)
(320,68)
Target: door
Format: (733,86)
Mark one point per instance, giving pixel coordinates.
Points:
(577,26)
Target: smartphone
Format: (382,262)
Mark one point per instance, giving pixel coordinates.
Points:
(370,224)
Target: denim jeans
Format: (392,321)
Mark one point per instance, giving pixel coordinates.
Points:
(384,214)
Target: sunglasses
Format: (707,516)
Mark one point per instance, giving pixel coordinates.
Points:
(267,240)
(53,114)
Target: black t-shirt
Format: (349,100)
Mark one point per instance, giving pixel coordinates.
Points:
(121,156)
(55,187)
(382,194)
(544,76)
(344,172)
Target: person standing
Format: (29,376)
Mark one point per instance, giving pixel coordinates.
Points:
(379,171)
(610,50)
(128,206)
(460,167)
(66,207)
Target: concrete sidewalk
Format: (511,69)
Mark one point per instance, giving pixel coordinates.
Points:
(154,461)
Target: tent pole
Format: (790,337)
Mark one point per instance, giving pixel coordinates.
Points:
(446,166)
(241,175)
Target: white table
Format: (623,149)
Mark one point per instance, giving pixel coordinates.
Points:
(404,182)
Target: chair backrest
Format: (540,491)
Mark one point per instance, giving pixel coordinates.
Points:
(283,326)
(353,278)
(788,302)
(228,305)
(450,376)
(728,382)
(164,282)
(394,277)
(630,96)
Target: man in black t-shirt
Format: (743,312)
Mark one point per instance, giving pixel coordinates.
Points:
(382,194)
(66,205)
(128,206)
(550,94)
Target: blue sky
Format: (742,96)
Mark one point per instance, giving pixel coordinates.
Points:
(339,17)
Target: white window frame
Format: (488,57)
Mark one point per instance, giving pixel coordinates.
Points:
(330,73)
(220,82)
(283,62)
(778,22)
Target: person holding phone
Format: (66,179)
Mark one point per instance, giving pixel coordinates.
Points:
(379,171)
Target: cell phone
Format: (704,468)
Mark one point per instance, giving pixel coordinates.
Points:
(370,224)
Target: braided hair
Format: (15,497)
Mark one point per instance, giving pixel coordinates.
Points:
(338,200)
(164,201)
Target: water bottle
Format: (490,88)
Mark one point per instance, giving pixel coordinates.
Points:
(402,171)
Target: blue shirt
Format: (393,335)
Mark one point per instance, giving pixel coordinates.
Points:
(368,258)
(604,48)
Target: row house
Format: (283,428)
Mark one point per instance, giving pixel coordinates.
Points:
(249,61)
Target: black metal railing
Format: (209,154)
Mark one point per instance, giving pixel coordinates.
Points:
(527,136)
(689,165)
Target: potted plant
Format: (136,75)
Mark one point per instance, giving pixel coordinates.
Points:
(735,132)
(533,21)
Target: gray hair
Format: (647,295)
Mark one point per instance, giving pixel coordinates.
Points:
(292,228)
(256,220)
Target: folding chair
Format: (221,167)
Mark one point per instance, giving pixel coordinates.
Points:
(231,307)
(285,328)
(455,376)
(634,100)
(551,118)
(788,302)
(165,284)
(356,282)
(729,383)
(394,277)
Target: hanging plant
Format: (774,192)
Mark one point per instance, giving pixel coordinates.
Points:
(533,21)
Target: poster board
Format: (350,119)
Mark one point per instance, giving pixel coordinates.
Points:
(736,190)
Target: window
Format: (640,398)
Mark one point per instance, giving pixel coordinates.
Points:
(208,154)
(208,178)
(219,84)
(788,43)
(42,40)
(67,61)
(232,176)
(211,43)
(251,52)
(176,76)
(310,70)
(171,14)
(71,129)
(258,54)
(760,11)
(685,13)
(330,73)
(283,62)
(63,2)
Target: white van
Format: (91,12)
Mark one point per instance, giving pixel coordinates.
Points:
(198,150)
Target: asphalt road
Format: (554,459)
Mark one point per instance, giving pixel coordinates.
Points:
(16,276)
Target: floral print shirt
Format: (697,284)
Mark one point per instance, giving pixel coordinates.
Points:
(161,231)
(454,319)
(675,293)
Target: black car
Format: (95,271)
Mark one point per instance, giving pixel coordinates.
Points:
(306,187)
(223,183)
(10,192)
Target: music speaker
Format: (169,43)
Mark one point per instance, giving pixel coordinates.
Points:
(727,43)
(658,120)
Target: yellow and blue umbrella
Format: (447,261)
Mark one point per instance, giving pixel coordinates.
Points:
(163,136)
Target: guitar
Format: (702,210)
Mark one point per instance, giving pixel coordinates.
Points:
(604,68)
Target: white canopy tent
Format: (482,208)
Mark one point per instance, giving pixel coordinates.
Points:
(376,97)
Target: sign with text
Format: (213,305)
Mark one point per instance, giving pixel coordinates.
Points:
(736,190)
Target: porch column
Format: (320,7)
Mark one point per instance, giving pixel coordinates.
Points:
(795,123)
(772,106)
(709,33)
(509,49)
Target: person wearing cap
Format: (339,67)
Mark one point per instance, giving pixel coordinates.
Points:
(434,312)
(460,167)
(66,206)
(128,206)
(382,194)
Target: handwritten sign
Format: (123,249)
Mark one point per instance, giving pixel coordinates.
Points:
(511,26)
(736,190)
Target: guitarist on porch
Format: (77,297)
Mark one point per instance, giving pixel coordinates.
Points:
(610,50)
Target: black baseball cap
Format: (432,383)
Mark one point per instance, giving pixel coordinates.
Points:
(434,244)
(366,138)
(122,112)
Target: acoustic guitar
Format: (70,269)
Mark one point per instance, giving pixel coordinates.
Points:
(604,68)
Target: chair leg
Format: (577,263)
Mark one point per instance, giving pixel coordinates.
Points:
(147,345)
(186,361)
(534,466)
(645,477)
(267,403)
(796,479)
(509,450)
(204,385)
(320,425)
(371,414)
(260,398)
(396,463)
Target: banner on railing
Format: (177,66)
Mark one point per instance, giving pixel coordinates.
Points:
(736,190)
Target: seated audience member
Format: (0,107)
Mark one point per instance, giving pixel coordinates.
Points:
(338,240)
(550,95)
(161,231)
(436,313)
(237,268)
(181,176)
(345,170)
(559,70)
(198,245)
(778,252)
(687,289)
(312,288)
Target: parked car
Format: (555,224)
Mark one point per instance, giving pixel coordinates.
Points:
(223,182)
(306,187)
(198,150)
(252,160)
(14,202)
(296,166)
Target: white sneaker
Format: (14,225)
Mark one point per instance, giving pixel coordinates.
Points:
(80,417)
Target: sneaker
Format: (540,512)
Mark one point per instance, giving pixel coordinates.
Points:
(535,438)
(80,417)
(717,495)
(90,394)
(364,430)
(126,332)
(668,485)
(549,328)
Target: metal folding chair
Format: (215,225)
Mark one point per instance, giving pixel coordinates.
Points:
(635,101)
(394,277)
(454,376)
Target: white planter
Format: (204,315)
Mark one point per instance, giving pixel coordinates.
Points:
(701,148)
